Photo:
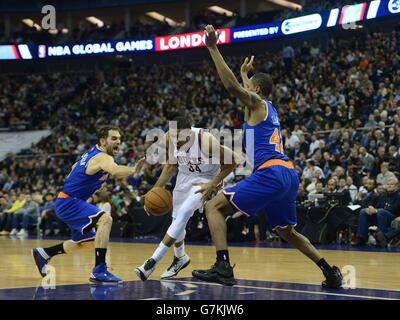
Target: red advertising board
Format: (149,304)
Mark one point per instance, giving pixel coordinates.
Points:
(188,40)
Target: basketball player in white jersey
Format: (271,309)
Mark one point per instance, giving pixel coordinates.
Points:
(198,160)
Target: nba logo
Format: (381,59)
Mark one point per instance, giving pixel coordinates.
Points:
(42,51)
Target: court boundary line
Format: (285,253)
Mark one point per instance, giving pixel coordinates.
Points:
(290,290)
(246,287)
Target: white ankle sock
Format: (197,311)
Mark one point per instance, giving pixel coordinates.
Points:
(179,251)
(160,252)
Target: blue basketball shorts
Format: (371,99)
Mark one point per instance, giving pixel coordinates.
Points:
(79,216)
(272,190)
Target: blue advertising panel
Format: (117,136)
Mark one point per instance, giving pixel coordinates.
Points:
(346,16)
(94,48)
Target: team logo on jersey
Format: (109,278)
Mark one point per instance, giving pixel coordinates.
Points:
(83,159)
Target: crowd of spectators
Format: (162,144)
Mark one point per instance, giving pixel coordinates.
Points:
(339,109)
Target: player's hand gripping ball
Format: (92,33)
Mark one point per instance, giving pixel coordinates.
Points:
(158,201)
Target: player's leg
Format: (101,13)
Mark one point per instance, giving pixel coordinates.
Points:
(331,273)
(100,274)
(247,196)
(184,206)
(82,218)
(281,215)
(181,259)
(217,209)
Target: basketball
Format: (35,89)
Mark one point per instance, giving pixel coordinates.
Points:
(158,201)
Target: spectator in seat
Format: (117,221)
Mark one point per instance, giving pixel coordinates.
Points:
(367,191)
(311,168)
(315,144)
(351,188)
(363,189)
(384,238)
(7,215)
(385,175)
(332,186)
(381,211)
(291,139)
(28,214)
(47,215)
(4,205)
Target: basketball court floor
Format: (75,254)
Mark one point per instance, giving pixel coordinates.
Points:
(264,272)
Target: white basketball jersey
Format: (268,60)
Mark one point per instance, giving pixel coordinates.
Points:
(192,161)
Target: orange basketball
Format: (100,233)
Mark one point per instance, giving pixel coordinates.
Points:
(158,201)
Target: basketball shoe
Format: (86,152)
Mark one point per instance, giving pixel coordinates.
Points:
(177,265)
(333,278)
(221,272)
(41,260)
(146,269)
(100,275)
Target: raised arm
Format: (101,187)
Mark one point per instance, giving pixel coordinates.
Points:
(231,84)
(107,164)
(244,70)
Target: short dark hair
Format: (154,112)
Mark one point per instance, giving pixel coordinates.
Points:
(183,123)
(312,162)
(102,132)
(264,81)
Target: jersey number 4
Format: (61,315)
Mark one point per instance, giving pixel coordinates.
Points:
(276,140)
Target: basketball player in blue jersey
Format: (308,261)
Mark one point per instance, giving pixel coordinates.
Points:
(274,183)
(88,175)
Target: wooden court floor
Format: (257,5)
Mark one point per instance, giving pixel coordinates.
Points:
(375,270)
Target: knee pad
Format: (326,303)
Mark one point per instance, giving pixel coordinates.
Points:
(181,237)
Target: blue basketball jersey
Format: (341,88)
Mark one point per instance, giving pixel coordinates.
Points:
(81,185)
(263,141)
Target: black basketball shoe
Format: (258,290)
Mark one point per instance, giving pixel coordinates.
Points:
(333,278)
(221,272)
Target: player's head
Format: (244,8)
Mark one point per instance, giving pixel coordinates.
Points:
(180,129)
(261,83)
(109,139)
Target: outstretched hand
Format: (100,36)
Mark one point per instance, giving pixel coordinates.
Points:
(247,65)
(206,189)
(139,165)
(212,36)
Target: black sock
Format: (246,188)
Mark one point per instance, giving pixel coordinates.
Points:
(223,255)
(100,255)
(323,265)
(55,250)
